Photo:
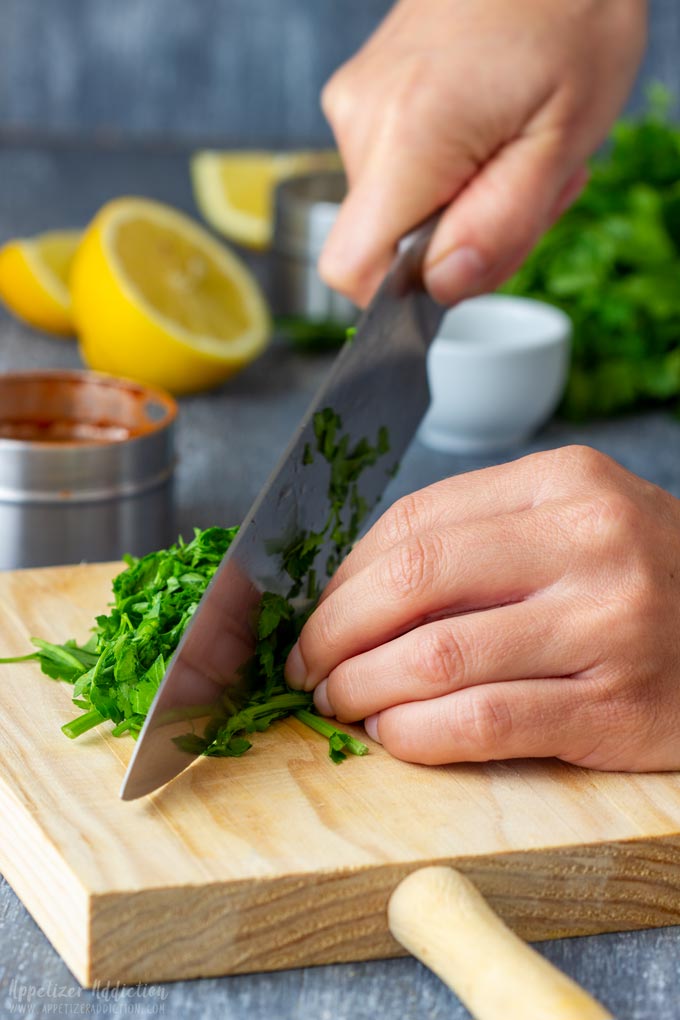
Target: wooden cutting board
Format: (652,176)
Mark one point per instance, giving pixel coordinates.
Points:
(280,858)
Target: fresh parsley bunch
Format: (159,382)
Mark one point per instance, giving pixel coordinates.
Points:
(612,263)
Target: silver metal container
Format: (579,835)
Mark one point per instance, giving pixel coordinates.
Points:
(86,466)
(305,210)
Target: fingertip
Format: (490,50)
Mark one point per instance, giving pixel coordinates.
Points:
(371,727)
(295,669)
(345,268)
(322,701)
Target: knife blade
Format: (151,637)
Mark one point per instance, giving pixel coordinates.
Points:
(379,378)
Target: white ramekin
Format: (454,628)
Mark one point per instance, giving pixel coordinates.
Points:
(497,370)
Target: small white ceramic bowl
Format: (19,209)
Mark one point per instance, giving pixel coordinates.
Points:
(497,370)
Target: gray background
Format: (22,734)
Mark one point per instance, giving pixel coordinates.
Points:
(229,71)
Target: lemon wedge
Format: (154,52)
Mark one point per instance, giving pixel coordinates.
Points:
(34,279)
(235,190)
(156,298)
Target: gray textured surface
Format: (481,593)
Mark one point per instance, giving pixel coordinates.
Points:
(228,442)
(248,71)
(237,71)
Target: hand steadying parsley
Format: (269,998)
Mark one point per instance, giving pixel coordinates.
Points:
(116,674)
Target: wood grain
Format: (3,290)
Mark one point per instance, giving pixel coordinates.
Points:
(281,859)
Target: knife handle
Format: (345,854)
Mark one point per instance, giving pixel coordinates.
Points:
(439,916)
(417,240)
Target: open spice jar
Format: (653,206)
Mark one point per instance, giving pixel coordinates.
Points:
(86,468)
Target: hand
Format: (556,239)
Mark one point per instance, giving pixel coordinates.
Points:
(527,610)
(487,108)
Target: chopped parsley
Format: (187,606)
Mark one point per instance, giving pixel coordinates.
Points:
(116,674)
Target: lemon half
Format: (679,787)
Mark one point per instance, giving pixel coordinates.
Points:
(235,190)
(34,276)
(156,298)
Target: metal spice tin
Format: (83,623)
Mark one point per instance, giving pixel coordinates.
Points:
(86,468)
(305,210)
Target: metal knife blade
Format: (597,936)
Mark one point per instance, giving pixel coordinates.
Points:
(379,379)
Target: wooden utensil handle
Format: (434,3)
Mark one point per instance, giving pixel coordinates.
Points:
(439,916)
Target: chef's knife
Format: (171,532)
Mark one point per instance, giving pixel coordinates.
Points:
(378,379)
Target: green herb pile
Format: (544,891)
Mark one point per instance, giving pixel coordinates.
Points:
(613,264)
(116,674)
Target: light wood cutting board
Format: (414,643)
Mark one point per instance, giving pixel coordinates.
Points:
(280,858)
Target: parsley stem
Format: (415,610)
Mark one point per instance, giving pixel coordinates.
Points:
(82,724)
(122,728)
(327,729)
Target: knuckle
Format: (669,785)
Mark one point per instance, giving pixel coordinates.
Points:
(487,721)
(588,463)
(348,693)
(576,461)
(412,566)
(401,521)
(441,660)
(337,96)
(607,519)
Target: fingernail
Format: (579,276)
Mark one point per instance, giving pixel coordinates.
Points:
(321,699)
(371,727)
(295,670)
(455,275)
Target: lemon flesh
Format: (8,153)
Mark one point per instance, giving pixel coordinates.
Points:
(158,299)
(235,190)
(34,276)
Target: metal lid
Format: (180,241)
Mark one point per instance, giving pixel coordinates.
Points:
(81,436)
(305,210)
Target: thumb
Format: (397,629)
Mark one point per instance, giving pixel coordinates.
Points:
(497,219)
